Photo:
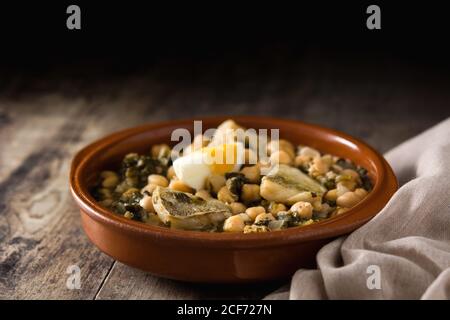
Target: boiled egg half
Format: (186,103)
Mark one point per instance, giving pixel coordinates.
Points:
(194,168)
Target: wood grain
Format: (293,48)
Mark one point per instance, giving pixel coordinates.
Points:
(43,123)
(124,282)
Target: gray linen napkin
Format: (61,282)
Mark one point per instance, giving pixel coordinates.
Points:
(404,252)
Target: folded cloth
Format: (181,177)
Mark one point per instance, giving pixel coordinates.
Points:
(403,252)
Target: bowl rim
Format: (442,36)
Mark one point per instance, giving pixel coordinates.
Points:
(342,224)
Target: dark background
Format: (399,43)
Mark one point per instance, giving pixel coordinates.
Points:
(130,36)
(315,62)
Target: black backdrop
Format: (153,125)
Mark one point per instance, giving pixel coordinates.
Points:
(131,33)
(188,39)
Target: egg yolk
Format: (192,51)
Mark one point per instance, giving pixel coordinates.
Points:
(223,158)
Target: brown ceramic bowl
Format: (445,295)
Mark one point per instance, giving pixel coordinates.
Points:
(220,257)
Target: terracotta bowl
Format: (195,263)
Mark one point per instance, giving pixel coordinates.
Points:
(220,257)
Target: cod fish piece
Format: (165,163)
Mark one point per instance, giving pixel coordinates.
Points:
(289,185)
(185,211)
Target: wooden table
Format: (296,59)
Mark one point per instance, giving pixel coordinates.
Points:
(44,121)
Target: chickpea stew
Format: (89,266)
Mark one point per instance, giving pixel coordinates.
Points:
(224,183)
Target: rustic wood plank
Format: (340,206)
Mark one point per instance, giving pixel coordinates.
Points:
(40,230)
(125,282)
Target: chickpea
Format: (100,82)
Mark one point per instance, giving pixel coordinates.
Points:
(351,173)
(253,212)
(250,193)
(245,217)
(274,208)
(282,145)
(331,195)
(157,179)
(280,157)
(149,188)
(107,174)
(287,146)
(350,199)
(171,173)
(348,175)
(302,209)
(147,204)
(225,133)
(301,161)
(309,152)
(234,224)
(255,229)
(215,182)
(328,159)
(203,194)
(337,168)
(263,218)
(226,196)
(159,150)
(349,184)
(111,181)
(360,192)
(330,175)
(105,193)
(237,207)
(318,167)
(317,205)
(341,210)
(228,124)
(341,189)
(325,208)
(121,187)
(253,174)
(179,185)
